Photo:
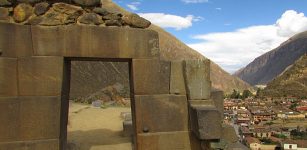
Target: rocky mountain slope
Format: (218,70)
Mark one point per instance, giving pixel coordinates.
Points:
(292,82)
(170,49)
(269,65)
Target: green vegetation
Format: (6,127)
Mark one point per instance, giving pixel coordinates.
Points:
(297,135)
(237,95)
(281,136)
(267,141)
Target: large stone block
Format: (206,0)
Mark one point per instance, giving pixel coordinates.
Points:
(39,117)
(205,122)
(40,76)
(52,144)
(218,97)
(164,141)
(8,77)
(9,119)
(93,41)
(15,40)
(197,79)
(151,76)
(161,113)
(177,85)
(196,103)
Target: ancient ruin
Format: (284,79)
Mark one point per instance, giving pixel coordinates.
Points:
(173,106)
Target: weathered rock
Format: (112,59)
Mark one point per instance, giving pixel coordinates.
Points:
(197,78)
(22,12)
(205,122)
(41,8)
(61,14)
(90,18)
(5,3)
(87,2)
(66,8)
(52,18)
(113,23)
(128,128)
(112,16)
(135,20)
(101,11)
(35,20)
(161,113)
(177,85)
(8,77)
(4,13)
(29,1)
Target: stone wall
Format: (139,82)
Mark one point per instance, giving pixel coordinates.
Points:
(172,103)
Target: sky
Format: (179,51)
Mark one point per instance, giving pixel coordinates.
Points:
(232,33)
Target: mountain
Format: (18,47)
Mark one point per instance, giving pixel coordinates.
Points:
(269,65)
(292,82)
(170,49)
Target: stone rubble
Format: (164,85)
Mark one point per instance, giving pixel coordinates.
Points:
(84,12)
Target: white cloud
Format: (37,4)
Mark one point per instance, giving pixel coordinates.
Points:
(171,21)
(234,50)
(218,8)
(194,1)
(133,6)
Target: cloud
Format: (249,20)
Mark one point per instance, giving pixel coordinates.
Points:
(218,8)
(195,1)
(233,50)
(171,21)
(133,6)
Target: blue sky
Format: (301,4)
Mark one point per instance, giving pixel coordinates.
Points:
(230,32)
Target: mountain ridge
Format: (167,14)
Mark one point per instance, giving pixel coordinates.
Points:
(269,65)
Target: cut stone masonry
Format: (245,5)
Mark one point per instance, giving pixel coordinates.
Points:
(173,106)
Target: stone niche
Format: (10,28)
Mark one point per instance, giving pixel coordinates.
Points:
(172,103)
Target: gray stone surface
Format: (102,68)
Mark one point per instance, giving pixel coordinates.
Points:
(41,8)
(197,79)
(94,41)
(48,144)
(5,3)
(161,113)
(4,13)
(87,2)
(151,76)
(177,85)
(8,77)
(15,40)
(39,117)
(206,122)
(128,130)
(218,98)
(9,118)
(164,141)
(29,1)
(40,76)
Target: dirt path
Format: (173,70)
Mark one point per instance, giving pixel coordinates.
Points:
(96,129)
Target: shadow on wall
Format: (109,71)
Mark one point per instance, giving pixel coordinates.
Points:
(95,138)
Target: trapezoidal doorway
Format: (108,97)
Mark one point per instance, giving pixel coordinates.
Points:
(97,104)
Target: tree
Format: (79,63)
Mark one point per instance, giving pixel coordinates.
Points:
(235,94)
(246,94)
(258,93)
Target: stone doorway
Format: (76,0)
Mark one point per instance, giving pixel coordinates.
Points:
(83,126)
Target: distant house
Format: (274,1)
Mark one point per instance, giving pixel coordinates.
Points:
(295,115)
(262,132)
(294,145)
(255,144)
